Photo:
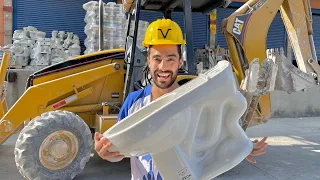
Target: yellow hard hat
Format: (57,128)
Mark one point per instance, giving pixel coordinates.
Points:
(163,31)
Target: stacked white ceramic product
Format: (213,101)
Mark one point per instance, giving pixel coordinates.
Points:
(24,42)
(32,48)
(114,30)
(141,32)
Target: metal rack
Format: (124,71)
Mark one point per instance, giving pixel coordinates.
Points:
(167,6)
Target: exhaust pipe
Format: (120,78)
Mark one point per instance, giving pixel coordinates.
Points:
(101,38)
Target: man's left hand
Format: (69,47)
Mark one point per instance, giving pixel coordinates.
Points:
(258,149)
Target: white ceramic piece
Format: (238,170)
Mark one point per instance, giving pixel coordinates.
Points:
(57,55)
(76,39)
(20,52)
(43,52)
(192,132)
(68,42)
(73,51)
(31,43)
(114,29)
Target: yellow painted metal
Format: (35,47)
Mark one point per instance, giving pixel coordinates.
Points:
(4,66)
(3,71)
(58,89)
(183,77)
(250,41)
(3,107)
(296,21)
(75,97)
(104,122)
(88,117)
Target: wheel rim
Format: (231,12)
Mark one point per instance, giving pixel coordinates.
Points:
(58,150)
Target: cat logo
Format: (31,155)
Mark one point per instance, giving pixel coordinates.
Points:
(237,26)
(164,35)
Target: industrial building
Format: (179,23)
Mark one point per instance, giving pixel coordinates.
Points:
(49,15)
(68,15)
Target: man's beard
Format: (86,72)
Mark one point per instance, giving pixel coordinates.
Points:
(163,85)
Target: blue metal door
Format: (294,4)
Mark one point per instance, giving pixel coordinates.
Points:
(316,33)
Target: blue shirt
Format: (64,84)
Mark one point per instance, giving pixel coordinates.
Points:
(142,167)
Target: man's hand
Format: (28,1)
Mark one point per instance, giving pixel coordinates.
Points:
(102,145)
(258,149)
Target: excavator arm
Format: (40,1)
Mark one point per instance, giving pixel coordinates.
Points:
(259,70)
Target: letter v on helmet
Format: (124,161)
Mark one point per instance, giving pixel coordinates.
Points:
(164,35)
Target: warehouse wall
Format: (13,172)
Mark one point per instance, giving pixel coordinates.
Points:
(16,89)
(5,22)
(298,104)
(1,24)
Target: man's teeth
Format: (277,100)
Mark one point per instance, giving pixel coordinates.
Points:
(164,74)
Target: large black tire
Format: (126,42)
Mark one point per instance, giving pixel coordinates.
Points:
(36,134)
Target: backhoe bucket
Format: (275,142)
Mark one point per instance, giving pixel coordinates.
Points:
(289,78)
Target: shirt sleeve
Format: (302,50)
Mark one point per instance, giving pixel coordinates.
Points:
(124,110)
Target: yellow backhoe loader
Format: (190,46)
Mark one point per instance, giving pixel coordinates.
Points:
(65,103)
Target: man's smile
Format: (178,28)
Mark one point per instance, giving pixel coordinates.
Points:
(163,76)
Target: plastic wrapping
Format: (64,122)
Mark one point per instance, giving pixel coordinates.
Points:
(32,48)
(20,52)
(142,27)
(114,27)
(6,49)
(42,54)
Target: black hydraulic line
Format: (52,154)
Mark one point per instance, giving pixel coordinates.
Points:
(134,43)
(101,38)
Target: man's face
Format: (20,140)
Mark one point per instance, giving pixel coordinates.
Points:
(164,63)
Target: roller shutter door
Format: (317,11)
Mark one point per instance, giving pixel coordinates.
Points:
(316,33)
(200,26)
(275,38)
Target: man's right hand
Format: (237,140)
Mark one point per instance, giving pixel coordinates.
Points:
(102,145)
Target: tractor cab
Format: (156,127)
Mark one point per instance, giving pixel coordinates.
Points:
(135,59)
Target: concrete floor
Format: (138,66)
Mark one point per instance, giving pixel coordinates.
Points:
(293,153)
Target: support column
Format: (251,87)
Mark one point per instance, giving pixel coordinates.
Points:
(1,23)
(7,23)
(191,66)
(213,29)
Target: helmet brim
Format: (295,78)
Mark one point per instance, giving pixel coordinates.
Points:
(162,42)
